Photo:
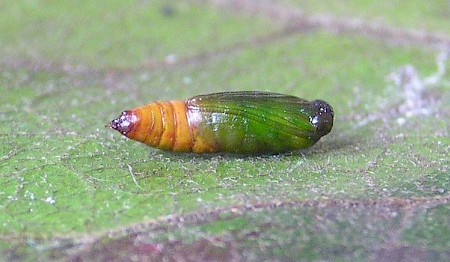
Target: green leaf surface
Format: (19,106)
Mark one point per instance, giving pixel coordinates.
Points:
(375,188)
(413,14)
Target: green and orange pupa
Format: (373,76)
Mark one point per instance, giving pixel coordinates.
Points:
(249,122)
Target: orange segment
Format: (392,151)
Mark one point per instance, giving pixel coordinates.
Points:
(168,126)
(156,127)
(142,124)
(183,136)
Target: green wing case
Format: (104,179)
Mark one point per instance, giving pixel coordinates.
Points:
(261,122)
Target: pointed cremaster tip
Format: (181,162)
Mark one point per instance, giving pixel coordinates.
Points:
(124,123)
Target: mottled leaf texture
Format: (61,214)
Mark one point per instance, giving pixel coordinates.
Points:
(376,188)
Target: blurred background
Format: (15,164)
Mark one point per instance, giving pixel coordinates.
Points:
(376,188)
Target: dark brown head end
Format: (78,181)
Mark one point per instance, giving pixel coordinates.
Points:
(124,123)
(323,117)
